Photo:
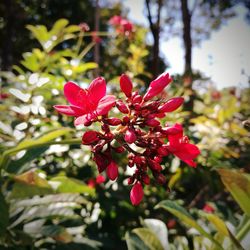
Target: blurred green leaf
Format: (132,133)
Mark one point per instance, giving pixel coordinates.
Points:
(31,143)
(4,215)
(238,184)
(142,239)
(185,217)
(69,185)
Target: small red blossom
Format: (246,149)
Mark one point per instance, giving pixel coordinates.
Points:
(122,25)
(208,208)
(136,194)
(86,104)
(97,181)
(157,86)
(95,37)
(3,96)
(180,147)
(84,27)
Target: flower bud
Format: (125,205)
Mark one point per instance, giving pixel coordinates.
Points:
(89,137)
(126,85)
(136,194)
(154,165)
(112,171)
(119,149)
(137,99)
(100,179)
(171,105)
(122,107)
(161,179)
(152,122)
(163,150)
(114,121)
(157,86)
(131,180)
(146,179)
(130,136)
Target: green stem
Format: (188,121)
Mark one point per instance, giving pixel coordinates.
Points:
(243,231)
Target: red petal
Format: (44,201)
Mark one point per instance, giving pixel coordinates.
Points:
(157,86)
(100,179)
(105,104)
(136,194)
(84,119)
(97,90)
(75,94)
(171,105)
(187,152)
(69,110)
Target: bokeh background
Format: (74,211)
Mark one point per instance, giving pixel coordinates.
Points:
(51,197)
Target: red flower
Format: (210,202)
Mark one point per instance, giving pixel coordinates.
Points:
(100,179)
(136,194)
(86,104)
(157,86)
(122,25)
(208,209)
(180,146)
(115,20)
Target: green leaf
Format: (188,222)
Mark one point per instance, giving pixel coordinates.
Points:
(30,184)
(58,26)
(160,230)
(142,239)
(4,212)
(21,165)
(69,185)
(32,143)
(185,217)
(238,184)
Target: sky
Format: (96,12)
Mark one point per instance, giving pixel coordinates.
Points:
(221,58)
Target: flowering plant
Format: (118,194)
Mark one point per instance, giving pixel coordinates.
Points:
(139,132)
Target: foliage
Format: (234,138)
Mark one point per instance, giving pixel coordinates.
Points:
(46,200)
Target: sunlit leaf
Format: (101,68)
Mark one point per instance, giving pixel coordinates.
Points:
(185,218)
(64,184)
(238,184)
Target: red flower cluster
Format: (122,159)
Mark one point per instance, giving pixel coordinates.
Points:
(139,132)
(122,25)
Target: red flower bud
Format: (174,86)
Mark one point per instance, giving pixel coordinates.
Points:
(100,179)
(131,180)
(114,121)
(152,122)
(137,99)
(112,171)
(208,209)
(122,107)
(154,165)
(146,179)
(119,149)
(163,150)
(136,194)
(161,179)
(126,85)
(130,136)
(171,105)
(157,86)
(89,137)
